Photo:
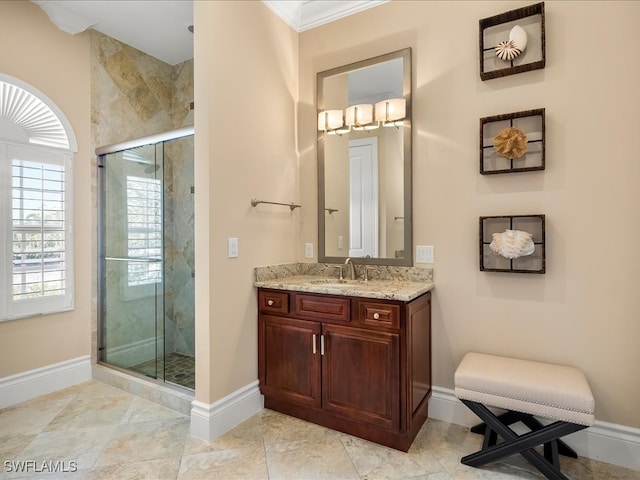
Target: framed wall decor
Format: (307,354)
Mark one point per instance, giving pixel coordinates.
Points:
(512,243)
(512,42)
(512,142)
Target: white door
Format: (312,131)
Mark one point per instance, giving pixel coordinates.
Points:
(363,197)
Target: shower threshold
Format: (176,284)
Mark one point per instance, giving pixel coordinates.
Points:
(173,396)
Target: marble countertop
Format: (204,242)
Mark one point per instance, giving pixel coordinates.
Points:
(402,287)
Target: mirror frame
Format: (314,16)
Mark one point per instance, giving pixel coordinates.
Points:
(407,260)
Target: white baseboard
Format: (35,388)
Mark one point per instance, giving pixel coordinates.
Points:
(606,442)
(209,421)
(40,381)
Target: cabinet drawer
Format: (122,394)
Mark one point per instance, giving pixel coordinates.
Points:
(323,307)
(273,302)
(379,314)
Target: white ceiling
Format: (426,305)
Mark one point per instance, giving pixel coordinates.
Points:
(159,27)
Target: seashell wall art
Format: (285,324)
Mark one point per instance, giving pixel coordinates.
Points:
(504,39)
(511,143)
(516,44)
(512,243)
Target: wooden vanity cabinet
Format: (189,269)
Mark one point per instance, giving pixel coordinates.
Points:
(358,365)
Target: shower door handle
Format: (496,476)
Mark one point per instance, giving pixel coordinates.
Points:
(134,259)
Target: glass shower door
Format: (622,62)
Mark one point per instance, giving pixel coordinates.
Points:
(131,256)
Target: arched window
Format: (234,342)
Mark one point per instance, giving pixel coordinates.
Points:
(36,211)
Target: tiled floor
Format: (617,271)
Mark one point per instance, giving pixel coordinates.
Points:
(178,369)
(109,434)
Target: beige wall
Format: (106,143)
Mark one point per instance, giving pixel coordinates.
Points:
(584,310)
(245,119)
(57,64)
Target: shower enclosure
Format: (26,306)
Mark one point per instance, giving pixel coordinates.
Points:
(146,257)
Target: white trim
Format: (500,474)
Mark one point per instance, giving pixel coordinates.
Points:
(317,13)
(305,15)
(606,442)
(209,421)
(11,309)
(40,381)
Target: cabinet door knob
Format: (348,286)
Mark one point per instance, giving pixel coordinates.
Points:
(270,302)
(376,316)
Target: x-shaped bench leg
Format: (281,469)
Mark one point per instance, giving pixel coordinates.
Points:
(514,443)
(509,418)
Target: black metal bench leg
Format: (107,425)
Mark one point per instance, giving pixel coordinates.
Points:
(508,418)
(534,424)
(523,444)
(551,453)
(490,438)
(511,417)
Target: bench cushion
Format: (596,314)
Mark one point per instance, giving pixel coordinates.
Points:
(544,389)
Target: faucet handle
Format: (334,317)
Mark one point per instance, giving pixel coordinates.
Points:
(339,267)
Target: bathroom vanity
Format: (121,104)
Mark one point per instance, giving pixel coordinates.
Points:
(352,356)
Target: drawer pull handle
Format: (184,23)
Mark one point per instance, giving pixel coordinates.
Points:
(321,344)
(314,343)
(270,303)
(376,316)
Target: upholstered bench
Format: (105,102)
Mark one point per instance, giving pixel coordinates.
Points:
(525,389)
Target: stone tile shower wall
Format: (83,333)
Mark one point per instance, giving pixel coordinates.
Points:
(179,247)
(134,95)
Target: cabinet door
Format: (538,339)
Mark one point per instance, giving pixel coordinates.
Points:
(360,375)
(289,360)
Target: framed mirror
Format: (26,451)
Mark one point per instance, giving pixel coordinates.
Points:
(364,161)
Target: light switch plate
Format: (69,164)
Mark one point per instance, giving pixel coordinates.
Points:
(308,250)
(232,247)
(424,254)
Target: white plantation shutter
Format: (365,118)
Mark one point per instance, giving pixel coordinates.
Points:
(36,209)
(38,216)
(37,231)
(39,121)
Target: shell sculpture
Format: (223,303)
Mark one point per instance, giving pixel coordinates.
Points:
(512,243)
(514,46)
(511,142)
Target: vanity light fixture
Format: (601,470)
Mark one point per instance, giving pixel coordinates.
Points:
(391,112)
(332,122)
(360,117)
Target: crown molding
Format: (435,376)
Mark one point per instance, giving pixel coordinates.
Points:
(304,15)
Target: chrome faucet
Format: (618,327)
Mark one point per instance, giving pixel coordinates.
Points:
(349,262)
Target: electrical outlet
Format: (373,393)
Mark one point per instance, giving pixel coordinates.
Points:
(424,254)
(340,242)
(232,247)
(308,250)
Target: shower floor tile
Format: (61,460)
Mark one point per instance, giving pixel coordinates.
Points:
(178,369)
